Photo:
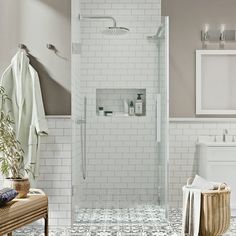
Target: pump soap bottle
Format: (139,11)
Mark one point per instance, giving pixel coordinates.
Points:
(139,105)
(131,108)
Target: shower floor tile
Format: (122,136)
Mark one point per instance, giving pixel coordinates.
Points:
(139,215)
(149,222)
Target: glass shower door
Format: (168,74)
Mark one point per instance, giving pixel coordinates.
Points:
(120,161)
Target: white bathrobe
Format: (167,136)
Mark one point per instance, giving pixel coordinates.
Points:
(21,83)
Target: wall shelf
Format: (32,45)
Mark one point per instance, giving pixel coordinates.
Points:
(113,100)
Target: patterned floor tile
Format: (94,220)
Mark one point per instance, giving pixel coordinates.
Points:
(142,221)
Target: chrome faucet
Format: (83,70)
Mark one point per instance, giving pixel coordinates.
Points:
(224,134)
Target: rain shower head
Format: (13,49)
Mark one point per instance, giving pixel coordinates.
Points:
(113,30)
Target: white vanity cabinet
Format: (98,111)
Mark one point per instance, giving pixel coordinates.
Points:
(217,162)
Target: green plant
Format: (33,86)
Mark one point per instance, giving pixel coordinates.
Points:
(11,152)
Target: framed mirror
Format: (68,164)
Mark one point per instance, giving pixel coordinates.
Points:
(215,82)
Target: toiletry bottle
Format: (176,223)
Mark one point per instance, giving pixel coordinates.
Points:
(131,108)
(139,105)
(100,111)
(126,107)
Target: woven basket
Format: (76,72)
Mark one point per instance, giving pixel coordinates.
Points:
(215,212)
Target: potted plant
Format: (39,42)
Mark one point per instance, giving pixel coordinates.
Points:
(11,153)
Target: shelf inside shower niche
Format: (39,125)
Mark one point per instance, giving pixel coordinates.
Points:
(113,100)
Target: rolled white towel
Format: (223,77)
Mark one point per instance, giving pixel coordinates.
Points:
(203,184)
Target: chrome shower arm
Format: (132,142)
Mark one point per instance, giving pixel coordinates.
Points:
(99,18)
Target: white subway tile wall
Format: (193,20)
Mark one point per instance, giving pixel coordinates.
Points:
(122,155)
(55,171)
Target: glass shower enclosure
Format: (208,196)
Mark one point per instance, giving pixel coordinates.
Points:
(120,160)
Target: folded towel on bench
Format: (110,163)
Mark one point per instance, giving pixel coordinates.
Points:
(6,195)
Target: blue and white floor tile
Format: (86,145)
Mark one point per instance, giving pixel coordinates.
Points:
(143,221)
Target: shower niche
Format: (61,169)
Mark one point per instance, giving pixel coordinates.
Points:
(117,102)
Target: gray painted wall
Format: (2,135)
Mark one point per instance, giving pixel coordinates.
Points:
(187,18)
(8,31)
(36,23)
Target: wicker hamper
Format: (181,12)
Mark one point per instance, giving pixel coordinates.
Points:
(215,212)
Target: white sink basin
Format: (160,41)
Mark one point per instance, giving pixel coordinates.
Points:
(217,162)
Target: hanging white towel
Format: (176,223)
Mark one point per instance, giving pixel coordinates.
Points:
(191,210)
(21,83)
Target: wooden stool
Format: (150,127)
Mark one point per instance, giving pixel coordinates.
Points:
(23,211)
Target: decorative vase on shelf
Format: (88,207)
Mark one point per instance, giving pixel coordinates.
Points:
(22,186)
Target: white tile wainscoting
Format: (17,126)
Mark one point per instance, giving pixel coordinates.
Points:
(55,169)
(184,135)
(55,166)
(56,160)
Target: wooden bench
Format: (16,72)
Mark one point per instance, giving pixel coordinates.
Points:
(20,212)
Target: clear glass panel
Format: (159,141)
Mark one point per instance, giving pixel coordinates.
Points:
(119,161)
(163,49)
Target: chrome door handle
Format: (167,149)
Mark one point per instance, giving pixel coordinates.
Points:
(83,137)
(158,117)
